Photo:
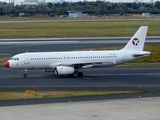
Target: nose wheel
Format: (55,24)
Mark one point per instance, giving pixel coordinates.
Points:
(25,73)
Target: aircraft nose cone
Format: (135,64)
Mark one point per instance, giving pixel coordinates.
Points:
(6,64)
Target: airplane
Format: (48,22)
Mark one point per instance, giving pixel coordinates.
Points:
(71,63)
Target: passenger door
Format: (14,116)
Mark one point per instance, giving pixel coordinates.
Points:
(26,59)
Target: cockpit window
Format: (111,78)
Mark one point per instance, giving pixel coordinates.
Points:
(14,58)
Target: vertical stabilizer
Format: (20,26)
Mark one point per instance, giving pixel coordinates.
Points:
(136,43)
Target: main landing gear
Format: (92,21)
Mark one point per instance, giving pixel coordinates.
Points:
(80,74)
(25,73)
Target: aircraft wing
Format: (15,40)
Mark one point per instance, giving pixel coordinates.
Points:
(88,64)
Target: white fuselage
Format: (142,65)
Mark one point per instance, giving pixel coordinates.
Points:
(88,59)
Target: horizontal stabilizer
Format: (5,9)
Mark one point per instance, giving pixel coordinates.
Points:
(141,54)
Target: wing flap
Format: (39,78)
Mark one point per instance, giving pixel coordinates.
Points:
(90,64)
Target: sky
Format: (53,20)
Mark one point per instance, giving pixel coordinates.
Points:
(86,0)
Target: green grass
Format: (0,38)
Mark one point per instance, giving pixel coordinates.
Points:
(3,60)
(140,64)
(154,58)
(108,28)
(8,96)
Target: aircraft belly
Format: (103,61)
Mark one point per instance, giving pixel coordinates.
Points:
(105,64)
(39,65)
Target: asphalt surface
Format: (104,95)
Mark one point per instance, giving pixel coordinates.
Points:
(10,47)
(110,78)
(124,109)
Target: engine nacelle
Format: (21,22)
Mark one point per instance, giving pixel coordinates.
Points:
(64,70)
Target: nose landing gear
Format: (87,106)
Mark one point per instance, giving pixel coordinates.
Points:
(25,73)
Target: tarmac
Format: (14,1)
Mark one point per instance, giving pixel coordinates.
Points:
(117,109)
(109,78)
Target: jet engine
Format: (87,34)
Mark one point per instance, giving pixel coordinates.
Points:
(64,70)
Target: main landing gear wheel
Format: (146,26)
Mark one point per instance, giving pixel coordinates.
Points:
(80,74)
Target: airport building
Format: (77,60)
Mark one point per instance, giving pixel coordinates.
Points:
(30,3)
(77,14)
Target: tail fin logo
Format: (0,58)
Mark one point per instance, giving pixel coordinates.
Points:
(135,41)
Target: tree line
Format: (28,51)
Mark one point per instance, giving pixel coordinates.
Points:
(92,8)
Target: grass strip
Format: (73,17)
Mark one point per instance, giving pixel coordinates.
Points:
(140,64)
(65,29)
(3,60)
(10,96)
